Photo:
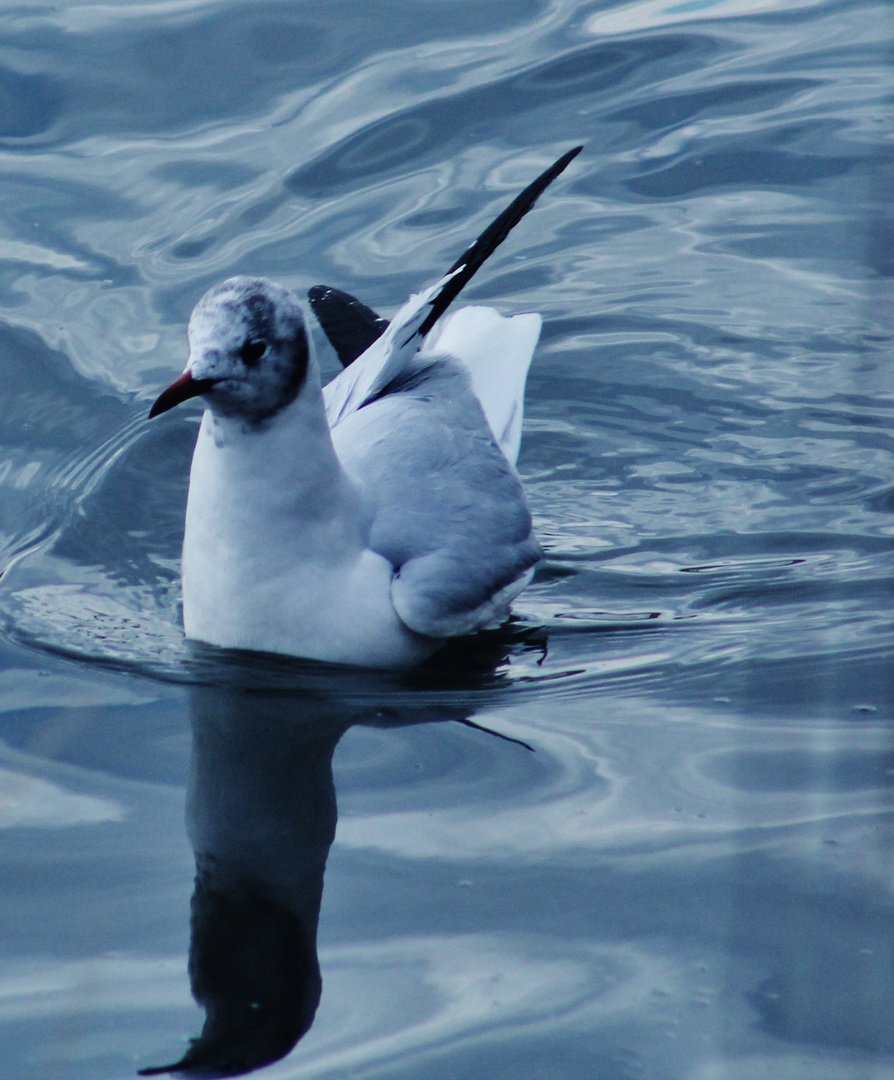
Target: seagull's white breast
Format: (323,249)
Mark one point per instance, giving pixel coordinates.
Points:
(275,556)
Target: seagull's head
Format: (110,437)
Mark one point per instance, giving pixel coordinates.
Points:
(248,351)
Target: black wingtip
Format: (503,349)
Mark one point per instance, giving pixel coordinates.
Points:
(349,324)
(487,243)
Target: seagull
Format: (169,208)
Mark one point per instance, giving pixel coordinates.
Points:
(368,521)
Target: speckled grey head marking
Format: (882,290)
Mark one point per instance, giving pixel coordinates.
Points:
(248,336)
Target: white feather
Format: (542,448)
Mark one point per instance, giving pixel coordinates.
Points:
(497,353)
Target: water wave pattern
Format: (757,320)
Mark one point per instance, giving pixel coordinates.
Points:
(690,877)
(707,448)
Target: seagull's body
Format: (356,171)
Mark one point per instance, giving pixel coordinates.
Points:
(366,522)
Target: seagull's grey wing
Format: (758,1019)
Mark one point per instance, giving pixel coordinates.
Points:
(447,509)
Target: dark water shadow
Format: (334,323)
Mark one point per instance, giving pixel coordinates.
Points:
(261,817)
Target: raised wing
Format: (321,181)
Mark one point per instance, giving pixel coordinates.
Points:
(389,354)
(387,358)
(429,431)
(471,260)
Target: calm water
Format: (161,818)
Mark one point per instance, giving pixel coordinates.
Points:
(690,878)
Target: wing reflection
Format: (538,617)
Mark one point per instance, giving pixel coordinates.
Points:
(261,815)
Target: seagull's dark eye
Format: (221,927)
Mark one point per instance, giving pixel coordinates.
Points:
(252,351)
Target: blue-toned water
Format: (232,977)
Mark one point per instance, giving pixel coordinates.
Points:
(690,878)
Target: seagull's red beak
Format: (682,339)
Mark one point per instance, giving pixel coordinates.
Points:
(181,389)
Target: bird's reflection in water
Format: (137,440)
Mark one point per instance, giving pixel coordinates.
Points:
(261,814)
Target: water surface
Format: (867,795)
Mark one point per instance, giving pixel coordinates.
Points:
(690,876)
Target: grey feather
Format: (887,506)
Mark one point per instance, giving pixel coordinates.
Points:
(447,509)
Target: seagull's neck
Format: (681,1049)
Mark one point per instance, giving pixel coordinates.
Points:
(275,490)
(286,460)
